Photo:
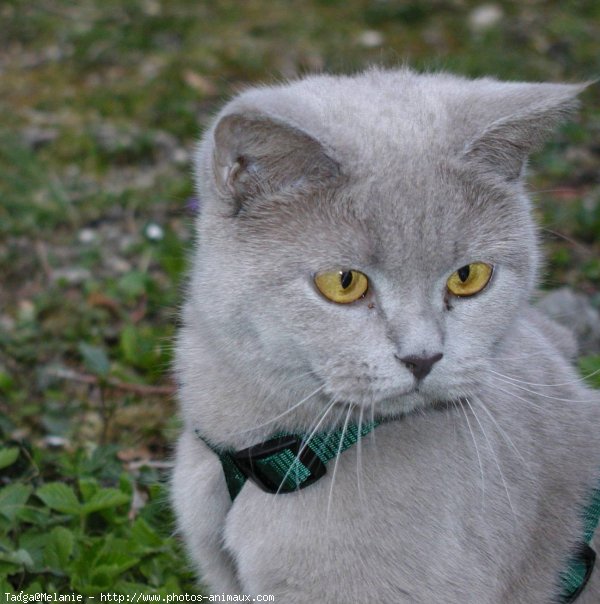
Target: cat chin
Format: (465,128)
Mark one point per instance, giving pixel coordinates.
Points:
(415,401)
(396,406)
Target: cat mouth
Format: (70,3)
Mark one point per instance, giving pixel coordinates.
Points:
(372,405)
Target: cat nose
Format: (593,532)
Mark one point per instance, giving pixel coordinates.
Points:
(420,366)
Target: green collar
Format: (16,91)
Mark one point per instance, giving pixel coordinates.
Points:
(287,462)
(581,564)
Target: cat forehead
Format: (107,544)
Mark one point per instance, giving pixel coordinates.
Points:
(432,223)
(439,219)
(364,118)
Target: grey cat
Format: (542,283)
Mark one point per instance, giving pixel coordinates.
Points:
(366,254)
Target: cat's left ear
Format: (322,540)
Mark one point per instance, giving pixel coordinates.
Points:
(256,155)
(529,113)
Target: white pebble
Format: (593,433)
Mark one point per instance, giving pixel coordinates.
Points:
(485,16)
(86,235)
(370,38)
(154,232)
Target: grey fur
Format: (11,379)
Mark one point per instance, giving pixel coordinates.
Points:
(474,494)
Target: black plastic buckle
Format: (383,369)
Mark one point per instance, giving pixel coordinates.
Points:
(246,458)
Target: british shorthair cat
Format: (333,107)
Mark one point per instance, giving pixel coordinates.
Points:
(373,411)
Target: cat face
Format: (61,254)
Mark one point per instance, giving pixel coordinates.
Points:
(407,243)
(378,251)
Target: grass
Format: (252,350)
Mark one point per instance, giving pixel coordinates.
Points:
(101,105)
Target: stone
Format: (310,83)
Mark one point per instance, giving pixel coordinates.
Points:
(576,312)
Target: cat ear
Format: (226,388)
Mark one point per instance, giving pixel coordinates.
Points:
(530,111)
(255,155)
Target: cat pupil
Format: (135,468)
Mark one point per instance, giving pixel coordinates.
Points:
(346,279)
(463,273)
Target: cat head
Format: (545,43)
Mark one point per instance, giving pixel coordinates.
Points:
(370,233)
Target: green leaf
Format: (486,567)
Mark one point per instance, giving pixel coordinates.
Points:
(59,497)
(83,565)
(6,381)
(19,557)
(95,359)
(8,456)
(133,284)
(59,548)
(172,255)
(105,499)
(8,568)
(36,588)
(155,570)
(130,589)
(102,464)
(34,541)
(139,346)
(144,538)
(126,483)
(38,516)
(107,573)
(88,487)
(100,564)
(129,343)
(590,368)
(12,499)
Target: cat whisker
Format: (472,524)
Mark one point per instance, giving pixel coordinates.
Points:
(568,239)
(274,419)
(337,458)
(536,192)
(476,450)
(372,433)
(454,422)
(512,394)
(495,457)
(306,441)
(359,458)
(500,429)
(287,382)
(516,358)
(577,381)
(555,398)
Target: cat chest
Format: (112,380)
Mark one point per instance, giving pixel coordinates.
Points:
(407,511)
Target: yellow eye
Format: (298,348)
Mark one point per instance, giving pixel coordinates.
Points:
(342,287)
(469,279)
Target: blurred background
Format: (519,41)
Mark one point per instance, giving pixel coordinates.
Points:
(101,104)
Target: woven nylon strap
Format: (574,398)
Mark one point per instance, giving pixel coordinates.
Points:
(284,467)
(575,576)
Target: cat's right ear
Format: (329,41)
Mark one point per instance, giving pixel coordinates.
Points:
(256,155)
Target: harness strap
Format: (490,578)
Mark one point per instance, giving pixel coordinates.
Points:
(575,577)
